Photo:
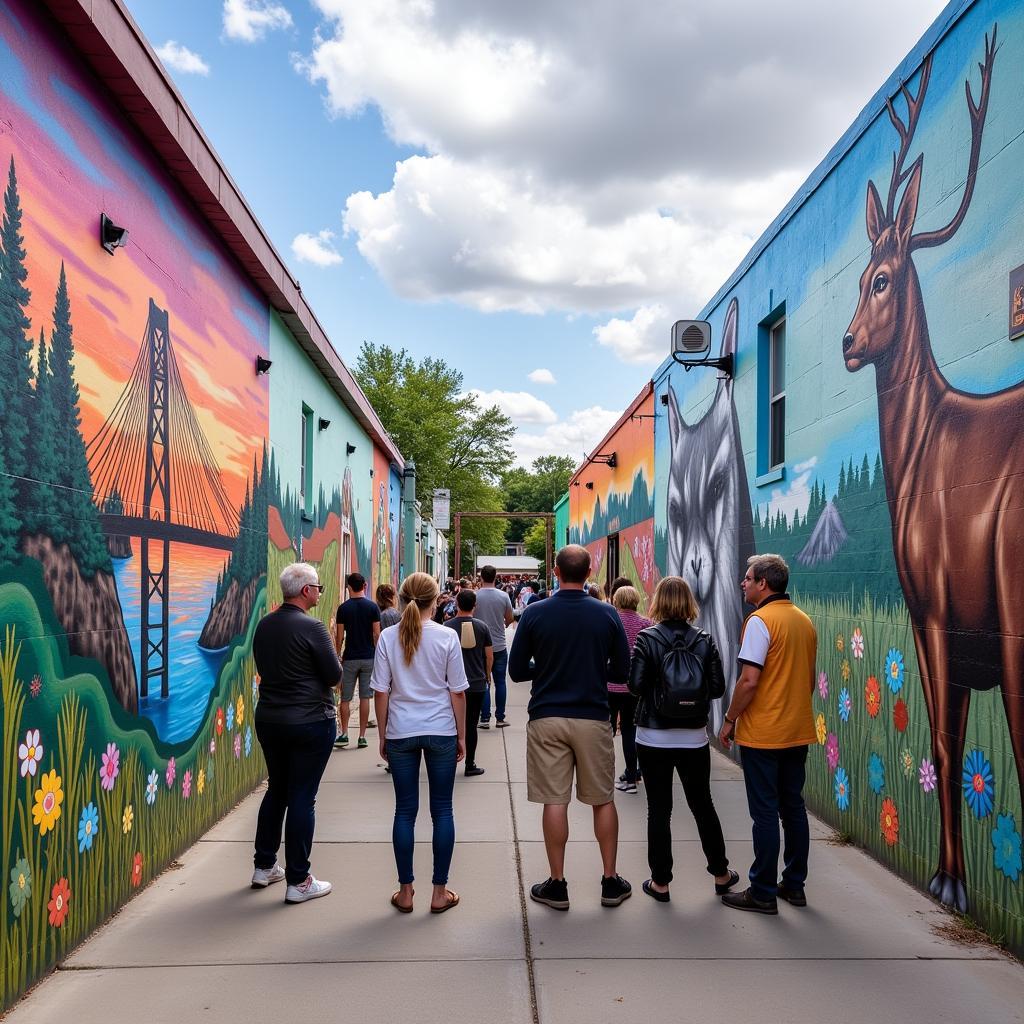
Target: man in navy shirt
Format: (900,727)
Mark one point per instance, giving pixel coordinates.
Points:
(356,635)
(571,646)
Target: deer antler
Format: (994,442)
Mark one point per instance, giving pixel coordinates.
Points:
(906,133)
(977,112)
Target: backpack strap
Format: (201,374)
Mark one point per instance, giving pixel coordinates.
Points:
(669,639)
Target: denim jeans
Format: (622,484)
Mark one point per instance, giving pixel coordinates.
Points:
(404,759)
(296,757)
(500,689)
(774,781)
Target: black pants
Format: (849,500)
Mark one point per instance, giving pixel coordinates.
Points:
(474,702)
(694,768)
(623,711)
(296,757)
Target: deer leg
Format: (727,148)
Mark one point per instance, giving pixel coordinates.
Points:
(947,714)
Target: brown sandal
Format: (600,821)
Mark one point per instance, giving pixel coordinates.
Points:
(452,900)
(398,906)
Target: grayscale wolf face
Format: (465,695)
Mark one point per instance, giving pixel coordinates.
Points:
(710,527)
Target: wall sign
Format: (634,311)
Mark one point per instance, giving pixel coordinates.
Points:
(1017,302)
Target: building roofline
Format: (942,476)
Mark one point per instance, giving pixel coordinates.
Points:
(108,39)
(645,392)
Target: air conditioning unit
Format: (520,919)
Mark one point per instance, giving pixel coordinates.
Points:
(691,337)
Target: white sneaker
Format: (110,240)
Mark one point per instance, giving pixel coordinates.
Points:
(262,877)
(311,889)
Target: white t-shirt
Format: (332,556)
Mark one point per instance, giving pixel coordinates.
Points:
(672,739)
(420,704)
(755,642)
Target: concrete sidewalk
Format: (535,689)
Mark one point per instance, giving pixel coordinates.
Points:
(198,942)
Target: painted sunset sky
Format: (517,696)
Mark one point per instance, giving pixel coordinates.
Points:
(74,161)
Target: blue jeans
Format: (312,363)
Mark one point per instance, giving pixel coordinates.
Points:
(774,781)
(404,759)
(500,689)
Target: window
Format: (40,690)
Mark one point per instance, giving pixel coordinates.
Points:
(777,394)
(306,462)
(612,561)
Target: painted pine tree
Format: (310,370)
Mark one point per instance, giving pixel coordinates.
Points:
(38,509)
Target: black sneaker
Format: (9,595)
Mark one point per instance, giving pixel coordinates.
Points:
(746,900)
(614,890)
(473,770)
(552,893)
(795,897)
(722,888)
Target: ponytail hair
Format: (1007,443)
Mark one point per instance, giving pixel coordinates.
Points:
(418,592)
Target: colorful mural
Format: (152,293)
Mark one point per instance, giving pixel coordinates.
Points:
(133,501)
(384,557)
(896,504)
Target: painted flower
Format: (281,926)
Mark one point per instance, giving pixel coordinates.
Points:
(186,784)
(823,686)
(201,781)
(46,809)
(213,746)
(876,774)
(110,766)
(60,898)
(128,819)
(841,788)
(31,753)
(230,721)
(1006,847)
(857,643)
(890,821)
(845,705)
(926,775)
(88,826)
(979,784)
(36,686)
(872,696)
(832,751)
(900,716)
(840,643)
(172,770)
(820,729)
(238,745)
(239,711)
(151,786)
(137,870)
(248,740)
(845,670)
(20,888)
(894,669)
(218,721)
(907,763)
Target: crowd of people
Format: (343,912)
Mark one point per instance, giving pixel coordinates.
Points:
(431,660)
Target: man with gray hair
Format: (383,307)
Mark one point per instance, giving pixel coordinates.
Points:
(295,726)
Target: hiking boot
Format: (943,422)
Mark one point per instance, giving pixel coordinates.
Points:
(311,889)
(262,877)
(553,893)
(614,890)
(746,900)
(795,897)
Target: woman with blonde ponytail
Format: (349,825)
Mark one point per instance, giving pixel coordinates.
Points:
(419,685)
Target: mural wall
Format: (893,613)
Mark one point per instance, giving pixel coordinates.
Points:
(897,501)
(133,497)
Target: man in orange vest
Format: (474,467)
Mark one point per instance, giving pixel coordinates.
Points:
(770,718)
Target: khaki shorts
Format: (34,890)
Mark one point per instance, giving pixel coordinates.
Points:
(555,747)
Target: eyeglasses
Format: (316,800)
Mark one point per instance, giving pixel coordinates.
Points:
(317,586)
(747,579)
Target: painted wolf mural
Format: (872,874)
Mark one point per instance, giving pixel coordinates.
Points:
(710,526)
(954,478)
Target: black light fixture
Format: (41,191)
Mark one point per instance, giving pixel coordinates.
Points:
(664,399)
(111,235)
(692,338)
(263,365)
(610,460)
(589,485)
(349,448)
(323,424)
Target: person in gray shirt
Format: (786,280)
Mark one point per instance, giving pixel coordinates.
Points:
(494,609)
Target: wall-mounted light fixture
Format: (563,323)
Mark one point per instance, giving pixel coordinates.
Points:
(349,448)
(111,235)
(664,399)
(692,338)
(610,460)
(589,485)
(263,365)
(323,424)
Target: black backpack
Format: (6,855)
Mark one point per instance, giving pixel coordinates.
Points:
(682,691)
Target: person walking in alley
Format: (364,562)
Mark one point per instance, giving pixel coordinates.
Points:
(419,686)
(621,702)
(294,716)
(674,739)
(494,609)
(571,646)
(356,634)
(478,660)
(770,718)
(389,614)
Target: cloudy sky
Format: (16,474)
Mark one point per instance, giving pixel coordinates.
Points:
(533,191)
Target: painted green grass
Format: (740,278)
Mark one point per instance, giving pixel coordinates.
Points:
(996,899)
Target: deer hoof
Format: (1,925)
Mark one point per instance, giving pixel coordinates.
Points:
(949,891)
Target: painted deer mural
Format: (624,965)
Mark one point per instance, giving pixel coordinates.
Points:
(954,478)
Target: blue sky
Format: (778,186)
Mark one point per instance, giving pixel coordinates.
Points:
(522,187)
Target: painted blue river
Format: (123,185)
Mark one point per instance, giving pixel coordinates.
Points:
(193,671)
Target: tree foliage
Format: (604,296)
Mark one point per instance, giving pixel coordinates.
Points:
(535,490)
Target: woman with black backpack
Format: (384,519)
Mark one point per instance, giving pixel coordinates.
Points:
(676,673)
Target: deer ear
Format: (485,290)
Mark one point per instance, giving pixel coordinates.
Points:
(907,213)
(673,418)
(875,213)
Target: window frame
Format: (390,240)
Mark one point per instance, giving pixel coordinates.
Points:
(776,397)
(306,461)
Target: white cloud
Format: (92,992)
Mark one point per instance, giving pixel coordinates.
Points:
(181,58)
(575,435)
(642,339)
(318,249)
(797,496)
(250,20)
(542,376)
(519,406)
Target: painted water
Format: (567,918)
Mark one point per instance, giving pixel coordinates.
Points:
(193,671)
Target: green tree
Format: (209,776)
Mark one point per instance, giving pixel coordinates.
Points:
(535,489)
(9,522)
(536,539)
(38,511)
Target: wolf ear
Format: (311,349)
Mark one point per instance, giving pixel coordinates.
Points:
(674,419)
(730,330)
